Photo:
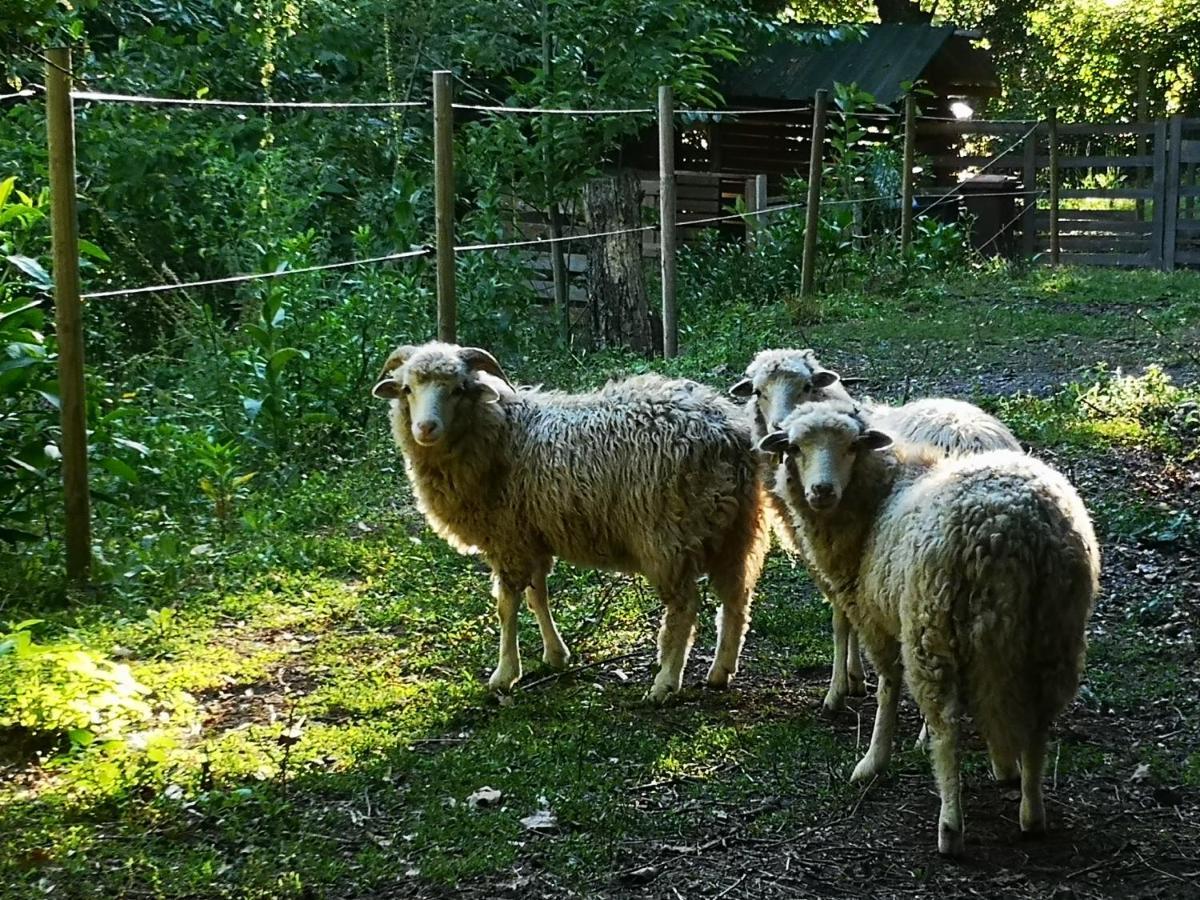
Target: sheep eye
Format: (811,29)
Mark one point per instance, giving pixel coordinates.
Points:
(406,390)
(460,389)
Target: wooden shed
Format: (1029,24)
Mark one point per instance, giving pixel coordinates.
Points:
(715,154)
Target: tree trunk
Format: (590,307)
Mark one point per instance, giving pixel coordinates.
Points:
(616,282)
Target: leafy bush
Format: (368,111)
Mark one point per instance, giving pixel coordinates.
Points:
(64,690)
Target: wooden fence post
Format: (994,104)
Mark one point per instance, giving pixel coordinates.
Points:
(666,208)
(1052,135)
(812,217)
(760,199)
(68,316)
(752,223)
(906,178)
(1142,116)
(443,180)
(558,267)
(1171,193)
(1029,179)
(1158,193)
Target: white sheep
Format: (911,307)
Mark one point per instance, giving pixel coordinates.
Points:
(779,381)
(973,576)
(647,475)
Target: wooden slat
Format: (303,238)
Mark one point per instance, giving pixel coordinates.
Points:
(965,127)
(1106,193)
(575,262)
(1187,257)
(1009,161)
(1101,244)
(1099,162)
(1085,128)
(1101,259)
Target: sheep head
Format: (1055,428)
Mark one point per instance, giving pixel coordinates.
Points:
(781,380)
(822,441)
(435,385)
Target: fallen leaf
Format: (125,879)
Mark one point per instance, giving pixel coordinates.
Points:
(484,798)
(542,820)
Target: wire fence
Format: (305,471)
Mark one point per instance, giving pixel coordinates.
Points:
(760,215)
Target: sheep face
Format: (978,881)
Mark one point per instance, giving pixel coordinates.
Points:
(435,387)
(821,444)
(778,391)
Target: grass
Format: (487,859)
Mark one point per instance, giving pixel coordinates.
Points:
(318,716)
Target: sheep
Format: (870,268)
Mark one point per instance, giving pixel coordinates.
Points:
(779,381)
(646,475)
(972,576)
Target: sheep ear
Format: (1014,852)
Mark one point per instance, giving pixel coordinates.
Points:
(742,389)
(775,442)
(487,393)
(479,360)
(825,378)
(873,440)
(398,357)
(386,389)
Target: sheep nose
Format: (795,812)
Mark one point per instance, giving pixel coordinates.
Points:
(822,490)
(427,429)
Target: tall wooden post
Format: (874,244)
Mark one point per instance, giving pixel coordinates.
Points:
(906,181)
(1142,116)
(68,316)
(1158,193)
(443,182)
(1052,133)
(1171,193)
(760,198)
(812,217)
(666,208)
(558,267)
(1029,183)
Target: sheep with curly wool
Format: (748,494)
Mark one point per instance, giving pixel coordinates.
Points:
(780,380)
(647,475)
(973,577)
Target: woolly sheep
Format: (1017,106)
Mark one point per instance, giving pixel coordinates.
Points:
(779,381)
(647,475)
(973,576)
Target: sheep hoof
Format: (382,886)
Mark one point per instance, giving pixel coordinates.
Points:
(868,767)
(834,702)
(502,679)
(858,688)
(556,658)
(659,694)
(950,840)
(718,679)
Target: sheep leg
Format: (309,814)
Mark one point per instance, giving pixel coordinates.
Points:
(1004,766)
(855,677)
(554,649)
(734,585)
(887,698)
(839,685)
(675,638)
(1033,764)
(944,737)
(508,669)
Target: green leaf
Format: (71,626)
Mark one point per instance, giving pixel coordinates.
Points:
(132,445)
(6,188)
(81,737)
(281,358)
(120,468)
(26,624)
(87,248)
(252,406)
(20,309)
(33,269)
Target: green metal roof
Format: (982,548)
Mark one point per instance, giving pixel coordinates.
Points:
(879,63)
